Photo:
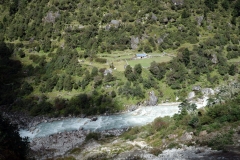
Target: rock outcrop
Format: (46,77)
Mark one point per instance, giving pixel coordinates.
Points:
(152,99)
(214,59)
(51,17)
(196,88)
(134,42)
(56,144)
(199,20)
(207,91)
(191,95)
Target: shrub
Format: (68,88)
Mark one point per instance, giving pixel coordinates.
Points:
(221,140)
(205,120)
(147,49)
(101,60)
(159,124)
(35,58)
(21,54)
(92,135)
(155,151)
(194,122)
(173,145)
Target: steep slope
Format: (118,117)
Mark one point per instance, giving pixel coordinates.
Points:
(74,53)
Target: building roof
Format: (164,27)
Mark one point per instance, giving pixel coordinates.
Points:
(141,55)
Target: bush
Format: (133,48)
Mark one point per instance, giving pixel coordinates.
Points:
(155,151)
(21,54)
(132,133)
(147,49)
(93,135)
(232,54)
(225,113)
(221,140)
(194,122)
(205,120)
(35,58)
(26,88)
(159,124)
(101,60)
(173,145)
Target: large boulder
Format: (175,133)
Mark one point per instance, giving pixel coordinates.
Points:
(199,20)
(51,17)
(94,119)
(187,136)
(191,95)
(152,99)
(115,23)
(207,91)
(134,42)
(196,88)
(214,59)
(154,17)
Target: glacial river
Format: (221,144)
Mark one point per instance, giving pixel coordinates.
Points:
(139,117)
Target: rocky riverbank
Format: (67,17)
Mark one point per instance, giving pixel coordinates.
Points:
(119,149)
(25,121)
(59,144)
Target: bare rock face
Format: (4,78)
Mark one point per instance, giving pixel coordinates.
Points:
(196,88)
(199,20)
(115,23)
(51,17)
(214,59)
(134,42)
(191,95)
(165,20)
(207,91)
(187,136)
(210,28)
(152,99)
(203,133)
(172,136)
(154,17)
(56,144)
(159,40)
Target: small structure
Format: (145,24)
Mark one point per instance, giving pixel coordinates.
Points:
(141,55)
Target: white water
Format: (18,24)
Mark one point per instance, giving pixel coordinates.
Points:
(139,117)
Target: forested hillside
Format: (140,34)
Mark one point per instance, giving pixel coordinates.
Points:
(78,57)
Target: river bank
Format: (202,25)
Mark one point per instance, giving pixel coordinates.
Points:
(51,137)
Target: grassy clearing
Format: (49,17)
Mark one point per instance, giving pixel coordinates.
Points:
(121,58)
(117,56)
(61,94)
(147,61)
(235,60)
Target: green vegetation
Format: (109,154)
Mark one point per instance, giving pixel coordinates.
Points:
(79,57)
(12,146)
(217,121)
(60,58)
(92,135)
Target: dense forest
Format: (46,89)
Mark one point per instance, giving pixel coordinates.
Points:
(61,57)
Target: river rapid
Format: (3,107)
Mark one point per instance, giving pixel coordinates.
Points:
(139,117)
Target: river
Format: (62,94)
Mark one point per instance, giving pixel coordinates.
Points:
(139,117)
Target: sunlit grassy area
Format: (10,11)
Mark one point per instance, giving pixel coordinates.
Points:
(235,60)
(147,61)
